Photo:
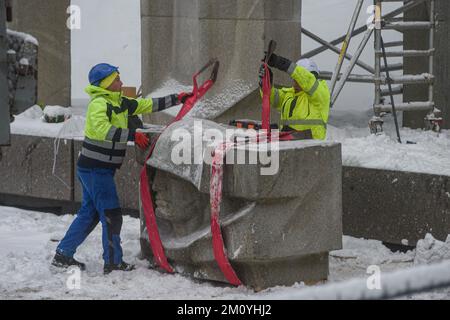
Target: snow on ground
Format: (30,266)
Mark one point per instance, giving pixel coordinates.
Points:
(421,151)
(29,240)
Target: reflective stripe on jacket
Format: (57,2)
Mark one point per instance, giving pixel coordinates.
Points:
(307,109)
(106,130)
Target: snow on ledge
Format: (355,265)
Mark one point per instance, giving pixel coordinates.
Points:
(25,36)
(31,123)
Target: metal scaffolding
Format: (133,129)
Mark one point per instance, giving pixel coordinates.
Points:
(379,75)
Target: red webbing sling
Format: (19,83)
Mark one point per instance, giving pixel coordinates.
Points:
(145,183)
(267,88)
(217,177)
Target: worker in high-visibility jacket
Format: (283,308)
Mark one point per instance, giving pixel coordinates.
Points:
(106,136)
(305,106)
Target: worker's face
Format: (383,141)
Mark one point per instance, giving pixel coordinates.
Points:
(116,86)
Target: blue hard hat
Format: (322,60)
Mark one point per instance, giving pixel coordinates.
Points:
(100,72)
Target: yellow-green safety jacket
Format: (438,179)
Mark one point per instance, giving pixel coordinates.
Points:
(106,130)
(303,110)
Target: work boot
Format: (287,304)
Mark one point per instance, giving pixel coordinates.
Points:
(62,261)
(123,266)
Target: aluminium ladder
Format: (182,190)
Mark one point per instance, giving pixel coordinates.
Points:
(427,78)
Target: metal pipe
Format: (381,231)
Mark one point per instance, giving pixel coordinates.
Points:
(393,67)
(394,112)
(377,47)
(407,6)
(346,44)
(360,78)
(347,72)
(401,26)
(394,44)
(335,49)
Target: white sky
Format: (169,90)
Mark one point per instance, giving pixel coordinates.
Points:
(110,32)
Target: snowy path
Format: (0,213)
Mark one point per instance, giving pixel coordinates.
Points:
(29,240)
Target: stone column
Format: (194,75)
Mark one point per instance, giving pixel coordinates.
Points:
(4,105)
(419,40)
(179,36)
(46,21)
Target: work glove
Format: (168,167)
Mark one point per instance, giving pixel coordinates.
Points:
(141,140)
(262,73)
(279,62)
(183,96)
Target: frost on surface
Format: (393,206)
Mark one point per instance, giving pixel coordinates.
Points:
(231,93)
(180,150)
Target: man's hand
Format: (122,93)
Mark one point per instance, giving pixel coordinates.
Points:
(279,62)
(141,140)
(262,73)
(183,96)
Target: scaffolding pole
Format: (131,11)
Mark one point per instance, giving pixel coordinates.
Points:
(335,49)
(349,69)
(346,44)
(407,6)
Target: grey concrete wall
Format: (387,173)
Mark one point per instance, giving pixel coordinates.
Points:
(26,169)
(4,96)
(391,206)
(419,39)
(178,37)
(46,21)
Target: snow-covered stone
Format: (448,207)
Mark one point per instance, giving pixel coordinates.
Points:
(430,250)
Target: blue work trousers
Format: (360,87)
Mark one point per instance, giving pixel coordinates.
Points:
(100,203)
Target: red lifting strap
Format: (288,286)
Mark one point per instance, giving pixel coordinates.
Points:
(267,88)
(150,220)
(216,188)
(145,183)
(215,200)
